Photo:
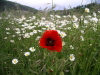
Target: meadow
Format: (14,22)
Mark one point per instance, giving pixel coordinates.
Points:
(21,54)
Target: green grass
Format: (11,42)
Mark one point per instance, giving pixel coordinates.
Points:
(45,62)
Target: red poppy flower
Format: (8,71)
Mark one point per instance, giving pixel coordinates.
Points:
(51,40)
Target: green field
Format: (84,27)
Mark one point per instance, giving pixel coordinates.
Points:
(19,40)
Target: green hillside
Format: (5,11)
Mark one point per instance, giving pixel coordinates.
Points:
(93,7)
(8,6)
(79,10)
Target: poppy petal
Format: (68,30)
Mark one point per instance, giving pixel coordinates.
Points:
(51,40)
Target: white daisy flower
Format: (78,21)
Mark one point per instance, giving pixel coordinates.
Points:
(82,38)
(31,33)
(63,34)
(94,14)
(74,18)
(87,10)
(7,28)
(69,28)
(72,57)
(85,21)
(94,19)
(82,31)
(71,47)
(15,61)
(12,41)
(27,53)
(5,37)
(98,11)
(32,49)
(27,35)
(13,35)
(38,37)
(75,25)
(7,32)
(58,16)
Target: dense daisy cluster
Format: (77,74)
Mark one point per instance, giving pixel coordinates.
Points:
(23,35)
(30,26)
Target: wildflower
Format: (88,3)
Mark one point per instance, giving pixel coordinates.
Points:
(17,32)
(72,57)
(34,31)
(15,61)
(71,47)
(94,19)
(75,25)
(12,41)
(27,35)
(82,31)
(85,21)
(74,18)
(82,17)
(33,17)
(98,11)
(31,33)
(43,18)
(38,37)
(7,28)
(13,35)
(5,37)
(51,40)
(95,29)
(82,38)
(58,16)
(23,18)
(69,28)
(94,14)
(7,32)
(64,16)
(87,10)
(27,53)
(32,49)
(90,44)
(39,30)
(63,34)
